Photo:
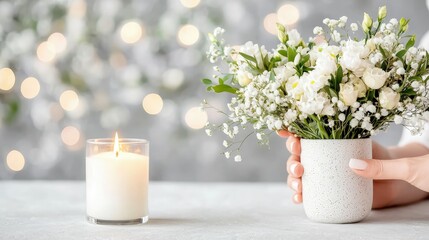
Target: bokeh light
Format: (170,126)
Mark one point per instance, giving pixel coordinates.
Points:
(288,14)
(30,87)
(57,42)
(70,135)
(131,32)
(196,118)
(56,112)
(173,78)
(7,79)
(270,23)
(190,3)
(15,160)
(46,52)
(69,100)
(188,35)
(152,103)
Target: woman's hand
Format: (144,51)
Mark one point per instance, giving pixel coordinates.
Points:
(409,175)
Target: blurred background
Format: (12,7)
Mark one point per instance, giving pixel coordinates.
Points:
(71,70)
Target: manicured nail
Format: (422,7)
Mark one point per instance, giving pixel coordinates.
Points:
(295,198)
(358,164)
(295,185)
(293,168)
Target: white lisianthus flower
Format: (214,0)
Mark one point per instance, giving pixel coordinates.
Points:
(325,64)
(375,77)
(294,38)
(366,23)
(388,98)
(353,57)
(348,93)
(243,79)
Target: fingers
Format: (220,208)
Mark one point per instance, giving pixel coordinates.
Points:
(296,185)
(284,133)
(381,169)
(293,145)
(294,167)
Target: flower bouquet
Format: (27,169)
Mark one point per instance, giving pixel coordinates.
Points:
(346,83)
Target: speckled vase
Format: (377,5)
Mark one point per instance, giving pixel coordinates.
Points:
(332,193)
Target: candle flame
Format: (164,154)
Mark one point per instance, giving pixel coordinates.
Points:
(116,145)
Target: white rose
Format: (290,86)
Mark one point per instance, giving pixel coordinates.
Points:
(375,77)
(388,98)
(360,86)
(348,93)
(243,79)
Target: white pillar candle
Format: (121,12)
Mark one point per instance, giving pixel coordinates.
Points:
(117,185)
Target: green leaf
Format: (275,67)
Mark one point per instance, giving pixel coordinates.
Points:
(401,53)
(408,92)
(291,53)
(248,57)
(206,81)
(224,88)
(411,42)
(283,52)
(383,52)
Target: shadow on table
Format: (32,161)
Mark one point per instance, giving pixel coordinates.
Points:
(171,221)
(409,213)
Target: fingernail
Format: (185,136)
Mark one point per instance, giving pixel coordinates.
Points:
(358,164)
(295,198)
(293,168)
(295,185)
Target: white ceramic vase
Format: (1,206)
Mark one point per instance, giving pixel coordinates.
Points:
(332,192)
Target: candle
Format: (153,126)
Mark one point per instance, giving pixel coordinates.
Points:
(117,177)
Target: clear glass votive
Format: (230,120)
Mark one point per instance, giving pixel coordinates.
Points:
(117,179)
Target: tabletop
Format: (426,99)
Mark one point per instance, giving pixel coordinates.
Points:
(56,210)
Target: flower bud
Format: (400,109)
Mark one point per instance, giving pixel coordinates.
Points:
(366,23)
(382,12)
(403,24)
(281,33)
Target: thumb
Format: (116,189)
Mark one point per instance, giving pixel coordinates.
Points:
(380,169)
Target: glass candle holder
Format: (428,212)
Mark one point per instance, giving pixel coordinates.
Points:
(117,179)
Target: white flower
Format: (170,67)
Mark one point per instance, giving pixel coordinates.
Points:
(318,30)
(382,12)
(348,93)
(294,38)
(325,64)
(398,119)
(353,57)
(375,77)
(227,154)
(336,37)
(208,132)
(388,98)
(342,117)
(400,71)
(354,122)
(360,86)
(237,158)
(354,27)
(366,23)
(225,143)
(243,78)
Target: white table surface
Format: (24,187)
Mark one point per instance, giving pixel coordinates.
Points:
(56,210)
